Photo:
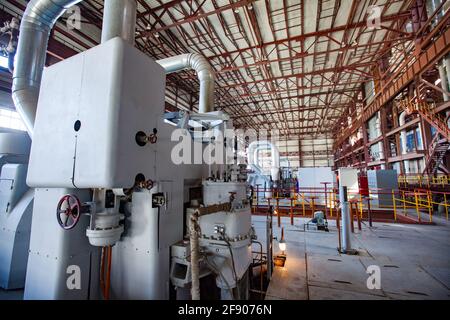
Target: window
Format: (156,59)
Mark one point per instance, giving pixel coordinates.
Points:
(3,62)
(11,119)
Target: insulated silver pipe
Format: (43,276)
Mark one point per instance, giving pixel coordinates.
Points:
(403,138)
(345,213)
(195,256)
(253,158)
(119,20)
(205,74)
(444,80)
(38,19)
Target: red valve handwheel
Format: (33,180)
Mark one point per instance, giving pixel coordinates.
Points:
(68,211)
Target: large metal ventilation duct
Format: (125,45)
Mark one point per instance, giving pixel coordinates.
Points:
(119,20)
(205,74)
(37,21)
(253,157)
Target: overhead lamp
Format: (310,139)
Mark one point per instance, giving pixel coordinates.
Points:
(236,10)
(282,242)
(282,245)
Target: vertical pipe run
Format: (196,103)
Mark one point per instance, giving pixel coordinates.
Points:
(278,213)
(352,227)
(444,74)
(346,242)
(119,20)
(108,272)
(205,74)
(195,252)
(403,139)
(338,226)
(444,80)
(37,21)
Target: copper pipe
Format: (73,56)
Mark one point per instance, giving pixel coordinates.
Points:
(108,273)
(102,271)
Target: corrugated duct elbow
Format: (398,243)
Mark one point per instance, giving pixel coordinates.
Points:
(205,74)
(37,22)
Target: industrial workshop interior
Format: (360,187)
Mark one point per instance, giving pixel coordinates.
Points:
(225,150)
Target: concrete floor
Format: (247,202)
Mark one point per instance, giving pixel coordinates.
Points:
(414,261)
(11,294)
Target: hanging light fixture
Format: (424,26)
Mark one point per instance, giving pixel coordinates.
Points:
(282,242)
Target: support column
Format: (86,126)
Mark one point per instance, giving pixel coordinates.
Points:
(444,80)
(119,20)
(444,74)
(383,127)
(365,149)
(345,213)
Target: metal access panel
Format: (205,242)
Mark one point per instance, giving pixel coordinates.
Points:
(141,260)
(312,178)
(12,186)
(381,184)
(16,205)
(348,177)
(56,254)
(91,107)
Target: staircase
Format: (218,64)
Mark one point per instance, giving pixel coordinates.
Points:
(436,153)
(438,146)
(425,110)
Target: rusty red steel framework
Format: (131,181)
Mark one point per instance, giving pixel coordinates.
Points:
(413,66)
(288,80)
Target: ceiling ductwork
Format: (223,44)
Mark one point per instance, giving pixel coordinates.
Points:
(37,22)
(205,74)
(119,21)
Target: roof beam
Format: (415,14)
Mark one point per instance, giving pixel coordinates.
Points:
(324,32)
(196,17)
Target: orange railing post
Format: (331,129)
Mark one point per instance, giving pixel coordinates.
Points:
(395,206)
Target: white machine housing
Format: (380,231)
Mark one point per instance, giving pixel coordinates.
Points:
(113,101)
(237,227)
(348,177)
(310,179)
(108,103)
(16,206)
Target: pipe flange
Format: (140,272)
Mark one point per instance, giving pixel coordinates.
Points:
(104,237)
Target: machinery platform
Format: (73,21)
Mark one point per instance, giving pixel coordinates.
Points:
(414,262)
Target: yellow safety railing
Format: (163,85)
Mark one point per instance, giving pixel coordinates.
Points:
(304,202)
(423,181)
(420,200)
